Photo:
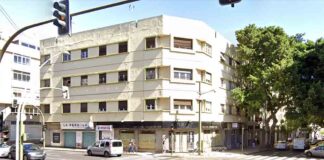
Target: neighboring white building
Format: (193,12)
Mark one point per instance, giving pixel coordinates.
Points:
(141,77)
(19,70)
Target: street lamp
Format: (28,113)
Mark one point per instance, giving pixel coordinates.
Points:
(200,125)
(19,122)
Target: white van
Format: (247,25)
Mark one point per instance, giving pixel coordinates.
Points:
(299,143)
(106,147)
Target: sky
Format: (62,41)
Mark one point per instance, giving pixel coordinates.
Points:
(295,16)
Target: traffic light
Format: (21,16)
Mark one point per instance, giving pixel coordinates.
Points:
(63,18)
(65,92)
(226,2)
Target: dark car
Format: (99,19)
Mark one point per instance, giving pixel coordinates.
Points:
(31,152)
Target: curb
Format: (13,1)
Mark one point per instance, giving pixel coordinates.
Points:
(262,150)
(65,149)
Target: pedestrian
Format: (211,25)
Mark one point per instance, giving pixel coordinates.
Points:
(130,147)
(134,147)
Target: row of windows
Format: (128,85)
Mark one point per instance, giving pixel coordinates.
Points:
(228,109)
(227,84)
(150,104)
(151,73)
(230,60)
(25,44)
(21,76)
(102,107)
(182,43)
(20,59)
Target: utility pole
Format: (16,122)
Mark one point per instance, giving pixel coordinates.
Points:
(199,130)
(242,143)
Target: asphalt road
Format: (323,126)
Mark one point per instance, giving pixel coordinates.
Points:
(267,155)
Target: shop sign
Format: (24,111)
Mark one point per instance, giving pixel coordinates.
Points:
(75,125)
(104,128)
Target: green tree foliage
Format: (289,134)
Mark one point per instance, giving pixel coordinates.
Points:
(266,55)
(308,85)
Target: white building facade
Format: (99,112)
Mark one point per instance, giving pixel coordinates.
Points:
(19,82)
(139,81)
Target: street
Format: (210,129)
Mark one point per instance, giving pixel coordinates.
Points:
(267,155)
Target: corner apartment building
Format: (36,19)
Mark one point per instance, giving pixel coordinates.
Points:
(19,82)
(139,81)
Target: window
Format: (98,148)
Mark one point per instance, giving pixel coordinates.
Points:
(180,104)
(46,108)
(208,77)
(150,104)
(231,85)
(117,144)
(230,61)
(102,78)
(223,83)
(66,108)
(185,74)
(207,106)
(84,80)
(84,107)
(84,53)
(67,81)
(46,58)
(223,108)
(56,137)
(102,50)
(102,106)
(17,94)
(21,76)
(122,76)
(122,105)
(150,73)
(24,44)
(66,57)
(182,43)
(238,111)
(46,83)
(229,111)
(122,47)
(20,59)
(150,42)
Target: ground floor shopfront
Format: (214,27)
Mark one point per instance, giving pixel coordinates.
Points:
(147,136)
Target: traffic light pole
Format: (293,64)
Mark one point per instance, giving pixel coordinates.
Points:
(12,37)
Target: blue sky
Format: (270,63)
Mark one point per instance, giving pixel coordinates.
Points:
(295,16)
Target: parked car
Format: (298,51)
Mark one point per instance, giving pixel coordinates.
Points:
(315,151)
(299,143)
(31,151)
(282,145)
(4,150)
(106,147)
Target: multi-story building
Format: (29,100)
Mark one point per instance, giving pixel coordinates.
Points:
(139,81)
(19,83)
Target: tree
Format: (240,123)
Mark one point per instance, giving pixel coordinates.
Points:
(263,76)
(308,85)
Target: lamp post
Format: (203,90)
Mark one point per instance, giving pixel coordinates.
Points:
(20,128)
(199,117)
(43,122)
